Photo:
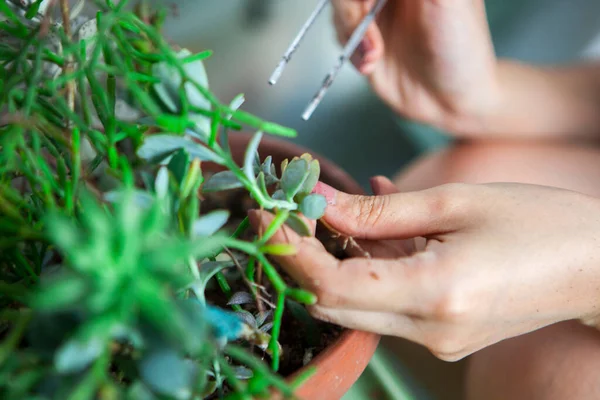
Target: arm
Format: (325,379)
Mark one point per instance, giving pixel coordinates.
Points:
(535,102)
(434,62)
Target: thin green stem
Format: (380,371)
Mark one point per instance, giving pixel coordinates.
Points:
(241,356)
(277,320)
(280,217)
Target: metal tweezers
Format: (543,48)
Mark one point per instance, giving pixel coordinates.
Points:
(347,52)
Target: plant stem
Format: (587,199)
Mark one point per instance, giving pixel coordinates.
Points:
(277,319)
(66,17)
(240,355)
(280,217)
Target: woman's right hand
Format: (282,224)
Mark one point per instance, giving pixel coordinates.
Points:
(430,60)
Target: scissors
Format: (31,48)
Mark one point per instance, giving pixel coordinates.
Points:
(347,52)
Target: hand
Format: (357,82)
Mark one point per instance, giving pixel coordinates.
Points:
(430,60)
(499,260)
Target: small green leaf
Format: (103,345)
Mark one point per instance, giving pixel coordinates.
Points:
(279,195)
(75,355)
(224,180)
(140,198)
(314,170)
(299,225)
(156,148)
(248,317)
(262,184)
(168,89)
(313,206)
(210,224)
(247,118)
(243,373)
(138,391)
(241,298)
(302,296)
(237,102)
(280,249)
(168,374)
(208,270)
(198,56)
(179,165)
(33,9)
(279,130)
(268,169)
(294,177)
(161,184)
(60,292)
(192,179)
(174,123)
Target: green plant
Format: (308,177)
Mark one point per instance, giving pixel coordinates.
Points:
(105,255)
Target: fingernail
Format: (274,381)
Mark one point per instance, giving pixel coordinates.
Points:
(326,191)
(362,52)
(365,47)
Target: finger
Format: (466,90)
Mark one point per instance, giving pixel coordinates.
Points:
(382,186)
(382,323)
(357,283)
(395,216)
(347,15)
(311,256)
(389,249)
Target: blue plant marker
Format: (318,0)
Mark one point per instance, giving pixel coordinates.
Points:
(226,325)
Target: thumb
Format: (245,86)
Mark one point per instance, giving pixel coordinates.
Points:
(394,216)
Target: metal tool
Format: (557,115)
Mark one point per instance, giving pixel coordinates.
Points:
(347,52)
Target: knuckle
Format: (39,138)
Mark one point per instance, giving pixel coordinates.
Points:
(451,200)
(455,305)
(370,209)
(327,296)
(327,288)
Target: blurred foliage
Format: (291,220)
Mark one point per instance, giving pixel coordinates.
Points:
(105,255)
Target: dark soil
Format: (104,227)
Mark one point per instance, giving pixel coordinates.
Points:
(300,341)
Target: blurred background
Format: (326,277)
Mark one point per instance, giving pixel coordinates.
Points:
(352,127)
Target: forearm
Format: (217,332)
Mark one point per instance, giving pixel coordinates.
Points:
(536,102)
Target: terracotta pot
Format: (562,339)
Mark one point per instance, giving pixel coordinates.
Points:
(340,364)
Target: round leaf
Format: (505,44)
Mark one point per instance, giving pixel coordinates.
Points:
(167,373)
(210,224)
(224,180)
(76,355)
(241,298)
(313,206)
(294,177)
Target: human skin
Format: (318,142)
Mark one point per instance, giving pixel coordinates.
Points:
(492,276)
(433,61)
(560,361)
(499,260)
(508,269)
